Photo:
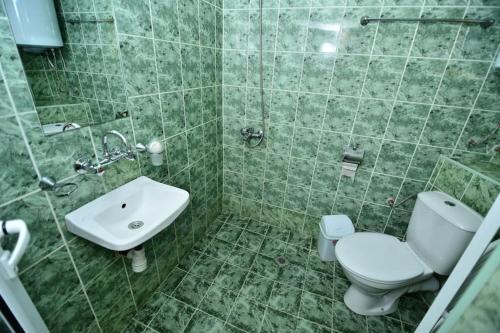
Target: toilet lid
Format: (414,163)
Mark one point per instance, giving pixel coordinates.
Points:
(378,257)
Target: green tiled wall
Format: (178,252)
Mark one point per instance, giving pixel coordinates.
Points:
(405,92)
(170,52)
(471,186)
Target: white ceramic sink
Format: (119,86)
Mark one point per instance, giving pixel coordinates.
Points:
(114,219)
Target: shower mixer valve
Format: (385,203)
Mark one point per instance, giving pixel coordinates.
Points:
(248,133)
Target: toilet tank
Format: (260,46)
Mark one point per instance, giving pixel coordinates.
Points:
(440,229)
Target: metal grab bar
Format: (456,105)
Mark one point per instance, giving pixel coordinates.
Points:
(107,20)
(484,23)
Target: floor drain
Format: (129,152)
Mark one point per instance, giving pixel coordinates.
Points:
(281,261)
(135,225)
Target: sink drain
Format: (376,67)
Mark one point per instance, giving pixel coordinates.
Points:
(135,225)
(281,261)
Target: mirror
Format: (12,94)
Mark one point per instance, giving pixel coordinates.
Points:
(81,83)
(485,165)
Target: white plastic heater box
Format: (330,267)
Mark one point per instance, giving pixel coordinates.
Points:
(34,23)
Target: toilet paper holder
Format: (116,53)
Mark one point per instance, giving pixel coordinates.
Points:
(351,159)
(353,154)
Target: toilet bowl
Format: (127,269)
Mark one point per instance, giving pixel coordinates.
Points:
(381,268)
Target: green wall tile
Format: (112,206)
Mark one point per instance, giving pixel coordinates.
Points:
(45,236)
(480,195)
(20,177)
(168,65)
(236,29)
(425,45)
(165,20)
(188,21)
(138,65)
(421,80)
(396,39)
(349,74)
(316,73)
(373,217)
(394,158)
(146,118)
(452,179)
(292,29)
(461,83)
(444,126)
(51,283)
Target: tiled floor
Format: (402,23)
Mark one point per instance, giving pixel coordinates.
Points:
(231,283)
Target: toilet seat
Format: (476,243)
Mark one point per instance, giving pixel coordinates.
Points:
(378,258)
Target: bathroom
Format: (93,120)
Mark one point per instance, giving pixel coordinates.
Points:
(235,128)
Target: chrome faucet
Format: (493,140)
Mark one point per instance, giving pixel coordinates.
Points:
(248,133)
(110,155)
(116,152)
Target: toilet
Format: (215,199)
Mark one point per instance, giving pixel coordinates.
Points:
(381,268)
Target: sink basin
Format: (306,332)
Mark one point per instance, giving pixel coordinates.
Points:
(129,215)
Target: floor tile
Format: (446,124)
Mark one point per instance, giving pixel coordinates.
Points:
(285,298)
(147,312)
(134,327)
(412,308)
(231,277)
(250,240)
(408,328)
(206,267)
(191,290)
(229,233)
(188,260)
(338,271)
(278,233)
(173,316)
(219,249)
(257,287)
(265,266)
(257,227)
(383,324)
(218,302)
(213,228)
(252,292)
(205,244)
(319,283)
(339,288)
(306,326)
(298,239)
(238,221)
(172,281)
(272,247)
(318,265)
(228,328)
(293,275)
(297,255)
(202,322)
(241,257)
(346,321)
(246,314)
(316,308)
(278,322)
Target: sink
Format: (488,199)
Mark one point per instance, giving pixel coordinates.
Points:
(129,215)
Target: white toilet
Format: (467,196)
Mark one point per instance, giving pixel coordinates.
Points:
(381,268)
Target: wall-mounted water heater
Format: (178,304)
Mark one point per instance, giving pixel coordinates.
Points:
(34,24)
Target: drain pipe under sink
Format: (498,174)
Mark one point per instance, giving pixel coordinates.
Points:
(139,260)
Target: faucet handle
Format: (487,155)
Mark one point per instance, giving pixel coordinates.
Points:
(140,147)
(82,165)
